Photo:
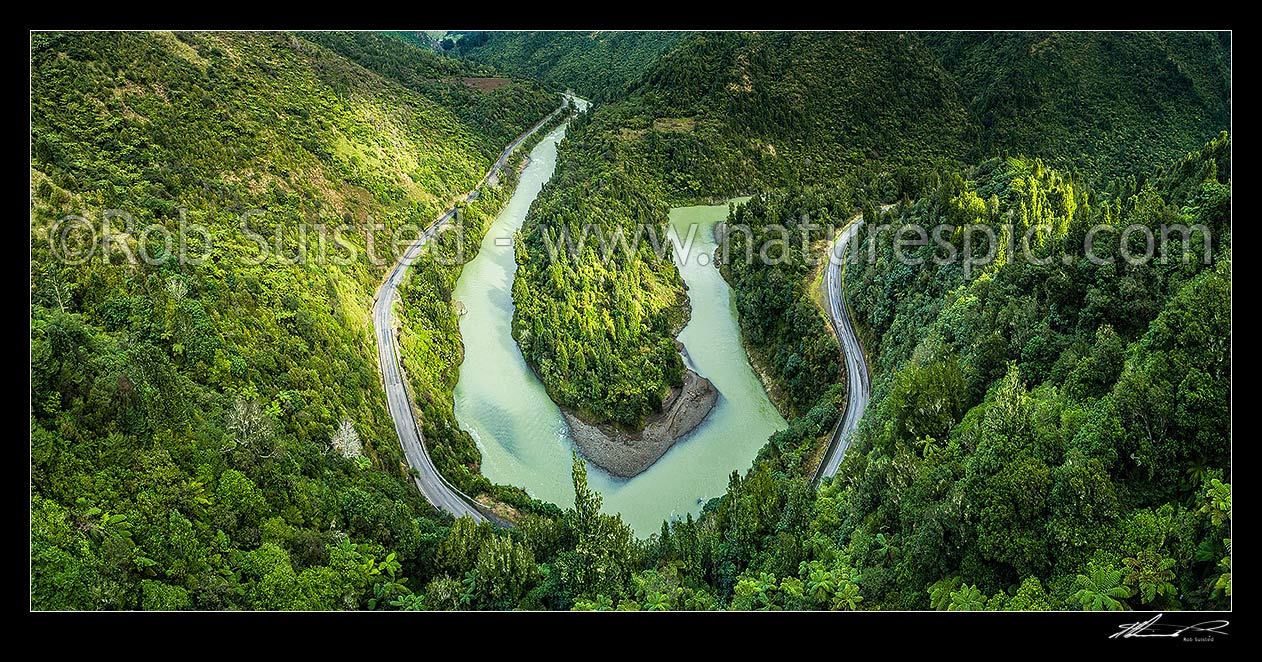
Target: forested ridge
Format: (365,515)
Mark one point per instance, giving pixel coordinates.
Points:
(595,321)
(1051,436)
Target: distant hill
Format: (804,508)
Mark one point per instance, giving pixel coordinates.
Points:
(596,65)
(734,112)
(1102,103)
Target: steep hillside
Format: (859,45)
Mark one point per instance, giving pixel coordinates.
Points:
(496,107)
(1056,416)
(737,112)
(210,432)
(1048,434)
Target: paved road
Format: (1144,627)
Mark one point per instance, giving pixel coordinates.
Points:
(436,489)
(858,380)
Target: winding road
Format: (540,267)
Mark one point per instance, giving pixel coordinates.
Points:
(858,379)
(437,490)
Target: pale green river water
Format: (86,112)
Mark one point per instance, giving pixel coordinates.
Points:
(522,436)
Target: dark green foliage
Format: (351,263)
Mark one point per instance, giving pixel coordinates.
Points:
(769,257)
(1103,103)
(595,311)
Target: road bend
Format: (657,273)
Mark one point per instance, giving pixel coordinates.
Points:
(858,379)
(437,490)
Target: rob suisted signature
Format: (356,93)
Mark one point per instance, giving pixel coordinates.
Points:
(1151,628)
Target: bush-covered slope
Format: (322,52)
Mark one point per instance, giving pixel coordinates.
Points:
(211,433)
(497,111)
(1041,436)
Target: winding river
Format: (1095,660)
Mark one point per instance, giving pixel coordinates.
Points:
(522,436)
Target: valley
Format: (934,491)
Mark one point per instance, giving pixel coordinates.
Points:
(662,321)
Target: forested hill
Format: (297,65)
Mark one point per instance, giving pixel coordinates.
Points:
(1101,103)
(729,112)
(212,434)
(596,65)
(805,105)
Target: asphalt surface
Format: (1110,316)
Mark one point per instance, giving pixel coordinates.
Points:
(437,490)
(858,379)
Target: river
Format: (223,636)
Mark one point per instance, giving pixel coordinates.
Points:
(520,431)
